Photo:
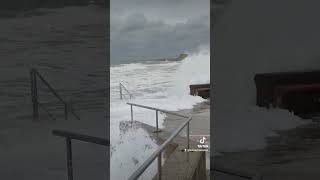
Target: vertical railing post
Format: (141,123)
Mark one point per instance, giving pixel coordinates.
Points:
(157,119)
(69,159)
(159,166)
(131,113)
(120,90)
(34,93)
(36,102)
(188,134)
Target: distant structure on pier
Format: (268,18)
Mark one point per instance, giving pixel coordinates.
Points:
(182,56)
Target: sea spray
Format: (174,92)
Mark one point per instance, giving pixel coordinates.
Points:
(238,124)
(243,49)
(246,130)
(195,69)
(163,85)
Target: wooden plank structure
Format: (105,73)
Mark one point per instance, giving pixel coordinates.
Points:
(296,91)
(202,90)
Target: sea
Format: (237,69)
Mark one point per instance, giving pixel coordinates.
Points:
(160,84)
(67,47)
(72,58)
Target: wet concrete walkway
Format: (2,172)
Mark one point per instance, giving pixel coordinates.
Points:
(176,164)
(199,125)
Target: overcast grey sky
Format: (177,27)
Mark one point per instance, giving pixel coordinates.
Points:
(150,29)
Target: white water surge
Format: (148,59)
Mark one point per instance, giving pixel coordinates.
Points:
(163,85)
(240,125)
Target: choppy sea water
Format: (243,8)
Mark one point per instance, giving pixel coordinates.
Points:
(68,47)
(70,56)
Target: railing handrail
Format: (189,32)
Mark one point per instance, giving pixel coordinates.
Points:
(67,109)
(49,86)
(154,155)
(158,109)
(128,92)
(158,152)
(81,137)
(240,174)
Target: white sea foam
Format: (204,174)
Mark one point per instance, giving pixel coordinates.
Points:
(163,85)
(195,69)
(246,130)
(238,123)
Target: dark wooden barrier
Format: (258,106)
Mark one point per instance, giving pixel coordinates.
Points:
(202,90)
(289,90)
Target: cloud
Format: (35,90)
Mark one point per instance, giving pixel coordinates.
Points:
(173,27)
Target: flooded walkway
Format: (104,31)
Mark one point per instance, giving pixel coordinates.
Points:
(199,125)
(138,140)
(176,164)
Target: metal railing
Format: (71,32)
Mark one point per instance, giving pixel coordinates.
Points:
(34,94)
(157,113)
(240,174)
(158,152)
(122,87)
(69,136)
